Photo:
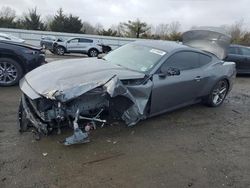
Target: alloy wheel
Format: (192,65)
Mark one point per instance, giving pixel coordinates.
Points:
(219,92)
(8,73)
(60,51)
(93,53)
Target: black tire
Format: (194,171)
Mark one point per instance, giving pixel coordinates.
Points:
(93,52)
(218,94)
(60,50)
(10,72)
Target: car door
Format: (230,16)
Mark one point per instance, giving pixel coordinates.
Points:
(245,65)
(73,45)
(234,55)
(172,92)
(85,44)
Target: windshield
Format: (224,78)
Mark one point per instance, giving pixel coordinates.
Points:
(136,57)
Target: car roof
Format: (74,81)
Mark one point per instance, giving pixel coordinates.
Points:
(79,38)
(237,45)
(166,46)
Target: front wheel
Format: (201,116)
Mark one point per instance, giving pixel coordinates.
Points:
(10,72)
(60,50)
(218,94)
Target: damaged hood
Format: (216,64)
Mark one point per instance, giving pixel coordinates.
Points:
(209,39)
(72,78)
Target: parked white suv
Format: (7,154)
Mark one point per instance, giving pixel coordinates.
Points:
(91,47)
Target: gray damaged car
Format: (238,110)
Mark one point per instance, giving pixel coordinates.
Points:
(137,81)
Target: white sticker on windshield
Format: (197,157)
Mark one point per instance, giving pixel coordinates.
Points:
(158,52)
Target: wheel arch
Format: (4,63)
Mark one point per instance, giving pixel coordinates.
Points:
(17,59)
(226,79)
(62,47)
(93,48)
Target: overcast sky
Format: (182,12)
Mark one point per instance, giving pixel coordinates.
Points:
(108,12)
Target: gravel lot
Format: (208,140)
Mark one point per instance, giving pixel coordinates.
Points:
(193,147)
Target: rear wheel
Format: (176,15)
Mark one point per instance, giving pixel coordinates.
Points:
(93,52)
(218,94)
(10,72)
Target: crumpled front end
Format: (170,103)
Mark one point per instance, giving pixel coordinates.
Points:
(91,103)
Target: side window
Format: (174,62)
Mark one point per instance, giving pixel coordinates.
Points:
(183,61)
(204,59)
(85,40)
(245,51)
(74,41)
(232,50)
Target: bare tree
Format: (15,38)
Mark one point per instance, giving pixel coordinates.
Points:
(98,28)
(7,17)
(174,27)
(87,28)
(162,30)
(119,29)
(245,40)
(7,12)
(236,31)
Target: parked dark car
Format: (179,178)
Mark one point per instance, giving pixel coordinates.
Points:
(241,56)
(134,82)
(16,59)
(48,41)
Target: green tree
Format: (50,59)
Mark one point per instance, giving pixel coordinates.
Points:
(7,17)
(64,23)
(176,36)
(135,28)
(73,24)
(58,22)
(32,20)
(108,32)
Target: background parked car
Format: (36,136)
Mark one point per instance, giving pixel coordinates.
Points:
(4,36)
(241,56)
(47,42)
(91,47)
(16,59)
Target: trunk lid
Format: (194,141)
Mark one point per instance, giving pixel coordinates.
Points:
(209,39)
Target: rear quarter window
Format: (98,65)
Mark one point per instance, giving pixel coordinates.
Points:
(204,59)
(86,40)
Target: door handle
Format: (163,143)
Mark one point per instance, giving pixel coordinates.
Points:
(198,78)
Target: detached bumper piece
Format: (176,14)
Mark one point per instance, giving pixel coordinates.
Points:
(78,137)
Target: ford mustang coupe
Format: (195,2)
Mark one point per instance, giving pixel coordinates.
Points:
(137,81)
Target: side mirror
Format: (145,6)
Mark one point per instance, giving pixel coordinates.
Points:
(164,71)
